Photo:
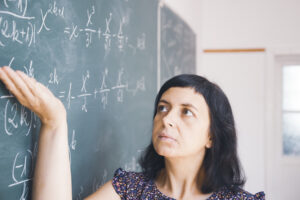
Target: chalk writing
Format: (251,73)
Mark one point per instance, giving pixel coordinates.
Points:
(120,86)
(139,45)
(63,40)
(53,77)
(74,141)
(104,90)
(83,89)
(140,86)
(72,34)
(69,96)
(16,9)
(89,15)
(107,34)
(121,38)
(29,70)
(25,33)
(90,29)
(22,171)
(12,112)
(52,10)
(12,32)
(88,33)
(141,42)
(26,118)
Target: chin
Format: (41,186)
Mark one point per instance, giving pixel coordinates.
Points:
(165,150)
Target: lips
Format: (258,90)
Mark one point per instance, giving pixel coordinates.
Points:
(165,136)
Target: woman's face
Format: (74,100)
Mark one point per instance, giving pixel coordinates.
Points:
(181,124)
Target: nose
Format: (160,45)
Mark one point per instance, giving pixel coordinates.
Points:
(168,119)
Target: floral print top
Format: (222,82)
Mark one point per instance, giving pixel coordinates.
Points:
(134,186)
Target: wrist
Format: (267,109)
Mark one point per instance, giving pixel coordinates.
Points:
(53,121)
(54,125)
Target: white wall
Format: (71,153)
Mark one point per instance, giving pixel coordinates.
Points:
(255,23)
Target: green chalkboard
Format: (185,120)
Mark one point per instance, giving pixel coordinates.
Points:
(99,58)
(178,45)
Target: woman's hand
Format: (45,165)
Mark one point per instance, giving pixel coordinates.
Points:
(52,174)
(34,96)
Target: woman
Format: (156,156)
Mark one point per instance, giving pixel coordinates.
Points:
(192,154)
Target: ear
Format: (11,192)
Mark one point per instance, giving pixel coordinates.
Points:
(209,143)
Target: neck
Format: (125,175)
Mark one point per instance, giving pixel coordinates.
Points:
(181,177)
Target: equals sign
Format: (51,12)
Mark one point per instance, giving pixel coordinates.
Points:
(67,30)
(62,96)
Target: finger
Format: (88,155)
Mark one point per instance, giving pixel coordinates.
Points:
(20,85)
(34,86)
(10,85)
(30,82)
(45,89)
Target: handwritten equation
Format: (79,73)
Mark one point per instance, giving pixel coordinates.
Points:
(16,26)
(22,171)
(25,26)
(17,116)
(102,92)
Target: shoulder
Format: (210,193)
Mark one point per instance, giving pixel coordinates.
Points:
(128,184)
(226,194)
(129,178)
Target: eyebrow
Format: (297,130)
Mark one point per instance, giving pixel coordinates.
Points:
(183,104)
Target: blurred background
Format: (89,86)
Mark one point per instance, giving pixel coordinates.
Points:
(252,50)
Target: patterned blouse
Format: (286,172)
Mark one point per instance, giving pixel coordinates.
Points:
(134,186)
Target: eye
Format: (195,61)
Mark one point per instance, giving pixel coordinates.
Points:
(187,112)
(161,108)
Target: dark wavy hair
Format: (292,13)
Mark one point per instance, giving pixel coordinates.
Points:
(221,164)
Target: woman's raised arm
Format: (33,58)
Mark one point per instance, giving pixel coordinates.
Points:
(52,175)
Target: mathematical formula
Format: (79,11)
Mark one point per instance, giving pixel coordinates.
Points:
(17,27)
(24,27)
